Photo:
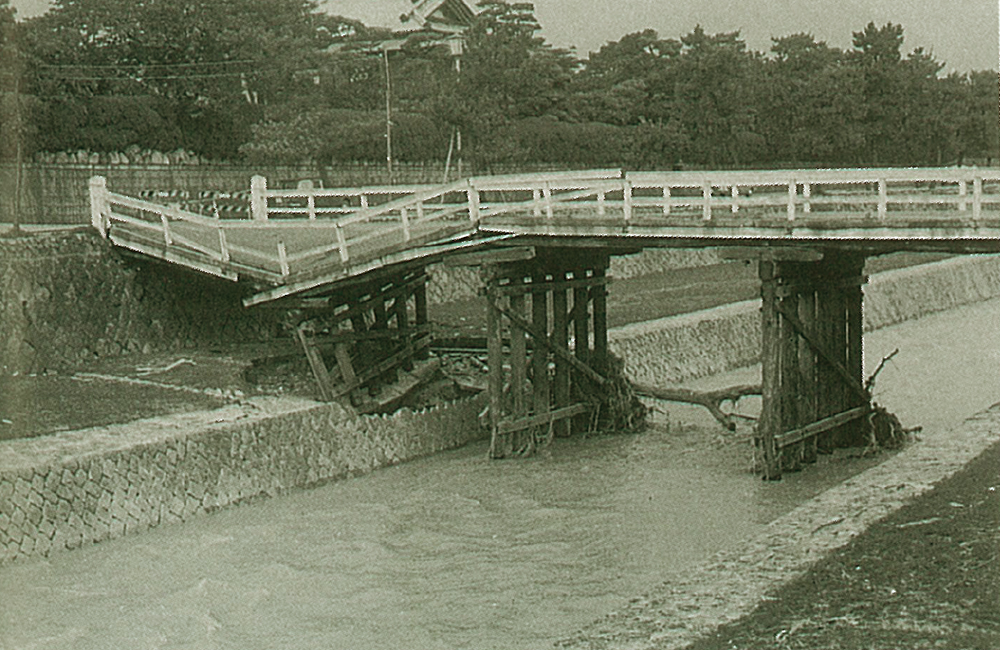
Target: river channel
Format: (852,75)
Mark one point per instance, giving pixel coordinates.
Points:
(456,551)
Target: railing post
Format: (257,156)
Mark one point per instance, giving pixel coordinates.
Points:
(258,198)
(627,201)
(883,199)
(312,207)
(977,197)
(735,192)
(792,192)
(706,200)
(806,195)
(283,259)
(364,201)
(536,197)
(405,218)
(167,239)
(547,193)
(341,243)
(666,200)
(963,190)
(600,203)
(473,203)
(99,204)
(223,246)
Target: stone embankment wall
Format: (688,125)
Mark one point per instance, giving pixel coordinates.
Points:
(79,488)
(68,297)
(709,342)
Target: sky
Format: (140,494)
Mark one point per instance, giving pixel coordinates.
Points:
(963,34)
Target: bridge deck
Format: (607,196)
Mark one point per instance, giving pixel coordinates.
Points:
(302,239)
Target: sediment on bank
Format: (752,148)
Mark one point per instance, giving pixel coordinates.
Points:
(75,488)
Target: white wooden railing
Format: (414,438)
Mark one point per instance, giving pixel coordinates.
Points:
(298,228)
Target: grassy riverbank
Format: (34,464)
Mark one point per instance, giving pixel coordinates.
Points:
(925,577)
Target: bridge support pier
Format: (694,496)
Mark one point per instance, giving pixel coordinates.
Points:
(556,302)
(388,331)
(814,396)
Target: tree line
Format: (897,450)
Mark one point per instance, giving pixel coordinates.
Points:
(280,81)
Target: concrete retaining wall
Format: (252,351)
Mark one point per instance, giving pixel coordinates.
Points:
(705,343)
(77,488)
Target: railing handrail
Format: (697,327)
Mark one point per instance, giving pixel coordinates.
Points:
(411,208)
(833,176)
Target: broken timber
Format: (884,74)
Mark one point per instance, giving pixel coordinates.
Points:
(388,330)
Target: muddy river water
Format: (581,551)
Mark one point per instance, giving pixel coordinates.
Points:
(455,551)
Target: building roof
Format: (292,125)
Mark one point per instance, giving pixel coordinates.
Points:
(445,16)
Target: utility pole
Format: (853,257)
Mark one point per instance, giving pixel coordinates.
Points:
(16,228)
(388,114)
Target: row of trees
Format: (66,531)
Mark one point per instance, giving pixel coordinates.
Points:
(278,80)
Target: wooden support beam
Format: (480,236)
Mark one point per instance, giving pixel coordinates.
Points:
(543,419)
(820,426)
(854,384)
(827,382)
(807,374)
(499,255)
(393,361)
(518,361)
(560,341)
(343,357)
(599,296)
(320,373)
(552,342)
(770,418)
(540,355)
(791,384)
(554,285)
(771,253)
(581,332)
(500,446)
(364,305)
(855,433)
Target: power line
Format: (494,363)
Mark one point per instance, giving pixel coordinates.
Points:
(146,65)
(140,77)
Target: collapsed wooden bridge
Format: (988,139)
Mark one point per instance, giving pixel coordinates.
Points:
(348,266)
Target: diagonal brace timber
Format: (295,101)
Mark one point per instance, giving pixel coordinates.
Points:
(544,339)
(854,383)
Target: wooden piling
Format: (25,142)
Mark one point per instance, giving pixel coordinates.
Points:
(807,372)
(789,379)
(540,356)
(499,443)
(560,338)
(599,296)
(518,367)
(770,418)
